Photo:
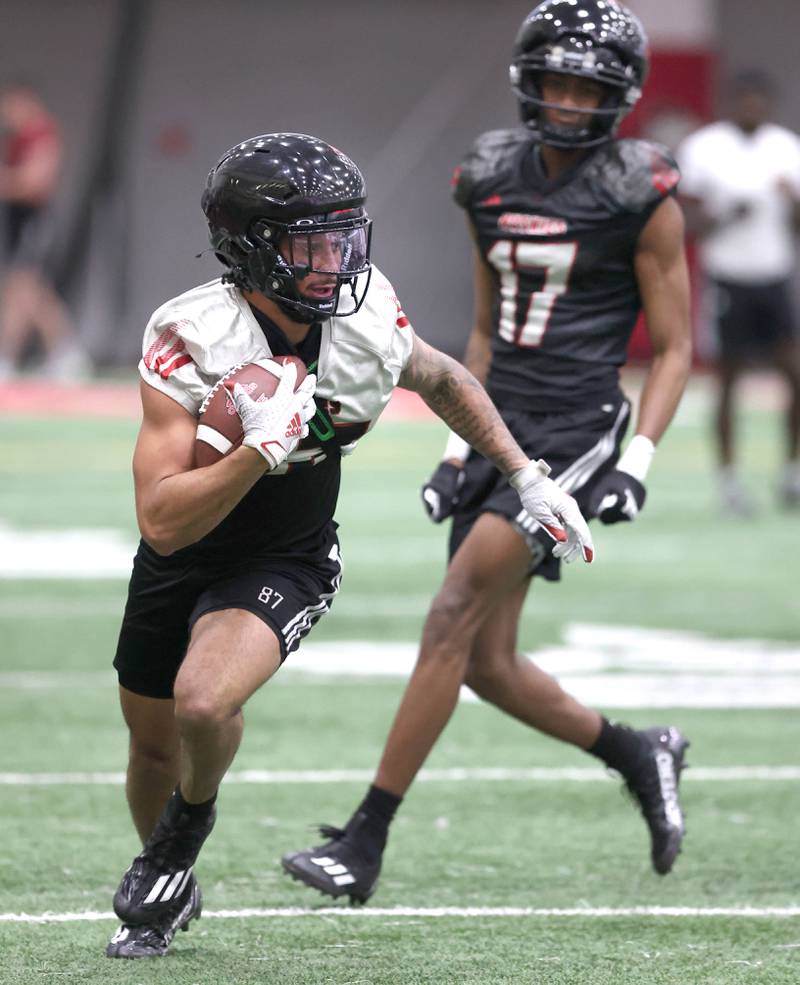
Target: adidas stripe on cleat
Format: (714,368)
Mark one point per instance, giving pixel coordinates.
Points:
(655,787)
(153,940)
(162,871)
(340,867)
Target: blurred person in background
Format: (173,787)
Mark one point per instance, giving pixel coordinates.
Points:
(741,192)
(31,155)
(574,233)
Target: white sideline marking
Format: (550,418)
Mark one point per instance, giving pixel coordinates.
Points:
(587,648)
(469,912)
(603,666)
(106,553)
(74,553)
(543,774)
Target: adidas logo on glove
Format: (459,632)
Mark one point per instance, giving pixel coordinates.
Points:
(295,428)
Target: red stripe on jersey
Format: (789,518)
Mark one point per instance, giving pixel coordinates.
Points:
(163,359)
(163,341)
(181,361)
(167,353)
(402,321)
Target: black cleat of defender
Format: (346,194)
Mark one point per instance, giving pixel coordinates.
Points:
(655,787)
(160,874)
(152,941)
(340,867)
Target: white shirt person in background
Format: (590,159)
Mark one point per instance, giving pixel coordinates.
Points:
(741,193)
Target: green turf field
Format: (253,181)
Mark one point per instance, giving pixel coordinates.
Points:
(473,867)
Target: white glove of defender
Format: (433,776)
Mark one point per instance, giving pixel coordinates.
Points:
(277,425)
(555,510)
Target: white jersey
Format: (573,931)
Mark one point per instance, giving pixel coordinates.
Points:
(194,339)
(723,167)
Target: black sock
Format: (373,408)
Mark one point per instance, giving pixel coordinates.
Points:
(194,813)
(380,805)
(374,816)
(620,747)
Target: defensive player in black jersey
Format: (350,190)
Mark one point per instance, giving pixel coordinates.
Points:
(574,233)
(239,559)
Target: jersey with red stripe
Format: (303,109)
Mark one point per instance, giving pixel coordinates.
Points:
(563,255)
(193,340)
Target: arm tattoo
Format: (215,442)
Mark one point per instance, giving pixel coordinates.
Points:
(453,394)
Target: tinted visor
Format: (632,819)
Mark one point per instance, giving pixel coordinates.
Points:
(334,251)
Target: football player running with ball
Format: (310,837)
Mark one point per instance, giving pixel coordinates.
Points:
(240,558)
(574,231)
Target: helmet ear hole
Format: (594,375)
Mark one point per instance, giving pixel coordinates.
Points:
(262,230)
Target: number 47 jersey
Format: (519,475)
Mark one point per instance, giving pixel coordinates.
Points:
(563,257)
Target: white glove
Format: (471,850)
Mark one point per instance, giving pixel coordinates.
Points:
(277,425)
(555,510)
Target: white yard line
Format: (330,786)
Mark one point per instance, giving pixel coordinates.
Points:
(544,774)
(436,912)
(604,666)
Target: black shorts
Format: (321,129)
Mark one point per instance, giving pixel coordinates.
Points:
(752,319)
(166,599)
(579,447)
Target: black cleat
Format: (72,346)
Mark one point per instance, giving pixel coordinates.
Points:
(342,866)
(152,941)
(160,874)
(655,787)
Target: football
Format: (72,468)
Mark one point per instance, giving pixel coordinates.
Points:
(219,429)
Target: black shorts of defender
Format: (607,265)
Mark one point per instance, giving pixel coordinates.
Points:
(752,320)
(166,598)
(579,446)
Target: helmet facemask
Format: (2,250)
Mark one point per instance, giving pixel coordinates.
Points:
(286,215)
(314,268)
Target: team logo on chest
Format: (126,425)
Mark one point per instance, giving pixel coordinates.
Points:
(525,224)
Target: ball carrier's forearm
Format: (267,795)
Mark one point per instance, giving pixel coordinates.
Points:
(181,509)
(477,359)
(454,395)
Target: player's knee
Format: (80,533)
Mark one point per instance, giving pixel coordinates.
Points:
(452,620)
(148,752)
(200,710)
(480,678)
(486,669)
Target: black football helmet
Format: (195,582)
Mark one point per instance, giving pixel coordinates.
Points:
(595,39)
(285,205)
